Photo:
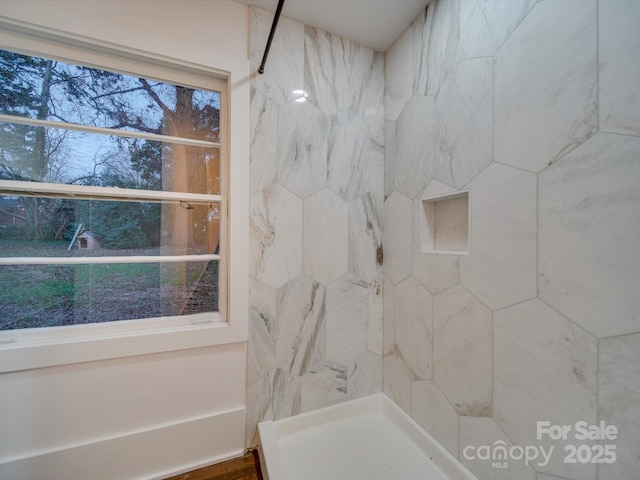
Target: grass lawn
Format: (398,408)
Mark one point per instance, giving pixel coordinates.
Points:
(53,295)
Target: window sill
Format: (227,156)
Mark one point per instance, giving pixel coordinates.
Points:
(48,347)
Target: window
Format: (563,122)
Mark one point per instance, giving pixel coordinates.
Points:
(112,196)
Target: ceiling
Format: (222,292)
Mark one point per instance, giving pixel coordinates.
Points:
(374,23)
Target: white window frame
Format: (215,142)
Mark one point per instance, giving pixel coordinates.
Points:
(42,347)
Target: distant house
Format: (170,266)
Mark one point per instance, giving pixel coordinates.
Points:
(88,241)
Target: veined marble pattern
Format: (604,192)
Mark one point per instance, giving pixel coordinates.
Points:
(389,162)
(396,382)
(397,240)
(325,385)
(347,319)
(315,338)
(545,368)
(284,70)
(258,407)
(464,122)
(303,133)
(262,317)
(388,338)
(503,237)
(352,154)
(546,85)
(340,75)
(619,395)
(479,431)
(365,377)
(619,44)
(405,72)
(413,327)
(593,193)
(365,237)
(376,315)
(325,236)
(443,50)
(462,351)
(431,409)
(275,224)
(554,218)
(300,325)
(412,148)
(285,394)
(486,24)
(263,152)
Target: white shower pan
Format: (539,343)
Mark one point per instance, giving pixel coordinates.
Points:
(370,438)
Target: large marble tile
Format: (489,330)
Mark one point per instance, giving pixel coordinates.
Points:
(396,382)
(501,266)
(376,315)
(323,386)
(325,237)
(389,162)
(405,67)
(303,139)
(443,48)
(397,237)
(433,412)
(284,70)
(352,152)
(545,97)
(619,81)
(258,408)
(263,167)
(388,340)
(464,122)
(486,24)
(462,351)
(413,327)
(619,398)
(275,235)
(365,237)
(589,211)
(545,369)
(413,147)
(285,394)
(347,319)
(478,432)
(435,272)
(262,325)
(341,74)
(300,325)
(365,376)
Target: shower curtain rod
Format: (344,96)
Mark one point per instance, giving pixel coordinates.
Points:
(274,25)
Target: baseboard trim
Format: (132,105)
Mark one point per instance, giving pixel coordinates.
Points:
(149,454)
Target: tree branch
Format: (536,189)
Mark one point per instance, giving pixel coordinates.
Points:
(154,95)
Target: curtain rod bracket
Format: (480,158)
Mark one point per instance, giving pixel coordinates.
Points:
(274,25)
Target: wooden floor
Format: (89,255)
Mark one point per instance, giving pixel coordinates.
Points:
(246,467)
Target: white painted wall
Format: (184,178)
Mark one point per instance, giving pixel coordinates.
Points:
(157,404)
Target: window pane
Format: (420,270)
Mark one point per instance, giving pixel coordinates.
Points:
(46,89)
(46,227)
(56,295)
(82,158)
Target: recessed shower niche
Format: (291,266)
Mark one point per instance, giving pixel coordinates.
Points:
(444,224)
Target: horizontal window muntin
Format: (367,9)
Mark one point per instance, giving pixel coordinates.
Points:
(185,195)
(89,158)
(107,131)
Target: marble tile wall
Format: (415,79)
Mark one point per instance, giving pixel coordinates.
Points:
(317,180)
(531,106)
